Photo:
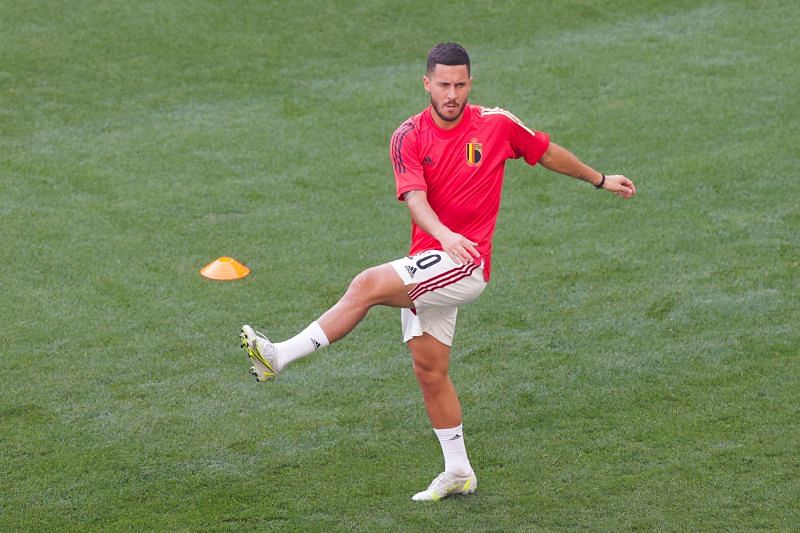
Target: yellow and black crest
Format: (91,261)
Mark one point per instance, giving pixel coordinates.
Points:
(474,153)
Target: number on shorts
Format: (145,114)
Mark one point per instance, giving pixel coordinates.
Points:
(428,261)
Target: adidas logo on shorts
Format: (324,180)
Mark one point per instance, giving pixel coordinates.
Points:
(411,270)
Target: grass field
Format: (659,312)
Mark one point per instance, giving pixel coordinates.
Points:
(633,365)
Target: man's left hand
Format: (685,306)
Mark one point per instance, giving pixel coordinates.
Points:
(620,185)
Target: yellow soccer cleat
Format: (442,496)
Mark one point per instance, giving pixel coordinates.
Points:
(447,484)
(261,353)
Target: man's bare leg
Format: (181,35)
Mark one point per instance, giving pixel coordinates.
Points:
(378,285)
(431,360)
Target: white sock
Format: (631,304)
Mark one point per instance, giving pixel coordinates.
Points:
(454,451)
(307,341)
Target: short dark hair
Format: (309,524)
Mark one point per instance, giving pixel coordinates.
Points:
(447,54)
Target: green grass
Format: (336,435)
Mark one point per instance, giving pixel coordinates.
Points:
(632,366)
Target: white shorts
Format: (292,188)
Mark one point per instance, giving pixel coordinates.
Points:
(442,285)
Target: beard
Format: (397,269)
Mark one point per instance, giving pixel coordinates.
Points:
(446,118)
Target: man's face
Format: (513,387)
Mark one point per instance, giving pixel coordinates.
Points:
(449,87)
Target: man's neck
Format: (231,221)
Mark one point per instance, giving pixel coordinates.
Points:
(447,124)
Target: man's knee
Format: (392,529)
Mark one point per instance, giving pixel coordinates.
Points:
(364,286)
(429,376)
(430,367)
(378,285)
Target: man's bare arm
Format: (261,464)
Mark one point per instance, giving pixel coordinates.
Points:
(458,247)
(559,159)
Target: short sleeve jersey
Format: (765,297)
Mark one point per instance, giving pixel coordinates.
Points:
(461,170)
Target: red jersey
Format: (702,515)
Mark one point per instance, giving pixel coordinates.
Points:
(461,170)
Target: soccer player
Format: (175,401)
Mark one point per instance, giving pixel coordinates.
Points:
(448,165)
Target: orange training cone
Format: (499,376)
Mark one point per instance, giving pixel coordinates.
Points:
(224,268)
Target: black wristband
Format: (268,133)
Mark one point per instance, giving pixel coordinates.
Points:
(602,182)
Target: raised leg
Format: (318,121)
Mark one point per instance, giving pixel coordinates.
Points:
(378,285)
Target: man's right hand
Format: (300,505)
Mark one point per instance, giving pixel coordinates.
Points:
(459,248)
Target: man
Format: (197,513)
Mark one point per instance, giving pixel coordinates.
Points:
(448,164)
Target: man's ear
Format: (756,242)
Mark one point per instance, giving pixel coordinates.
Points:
(426,82)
